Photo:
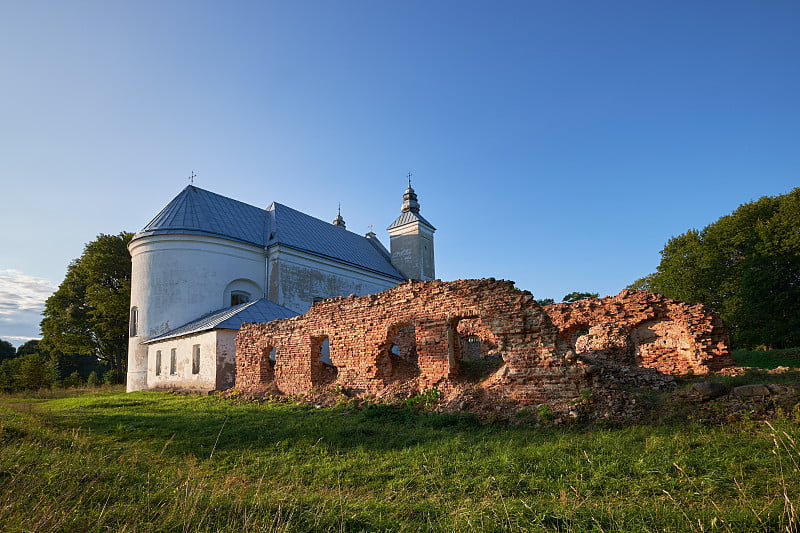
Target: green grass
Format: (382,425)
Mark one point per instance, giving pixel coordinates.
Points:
(767,359)
(109,461)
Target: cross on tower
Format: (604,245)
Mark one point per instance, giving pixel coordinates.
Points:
(409,179)
(192,177)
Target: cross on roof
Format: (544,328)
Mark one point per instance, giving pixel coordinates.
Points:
(192,177)
(409,179)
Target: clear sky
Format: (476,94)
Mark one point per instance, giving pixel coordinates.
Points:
(556,144)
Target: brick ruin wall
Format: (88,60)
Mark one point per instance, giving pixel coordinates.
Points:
(644,329)
(424,332)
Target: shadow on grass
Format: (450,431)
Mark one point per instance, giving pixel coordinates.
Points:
(202,425)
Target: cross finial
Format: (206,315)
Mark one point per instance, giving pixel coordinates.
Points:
(340,208)
(409,179)
(370,227)
(192,177)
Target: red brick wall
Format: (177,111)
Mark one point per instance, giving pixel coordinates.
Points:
(538,366)
(671,336)
(362,330)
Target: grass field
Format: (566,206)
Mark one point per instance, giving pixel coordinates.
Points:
(768,359)
(110,461)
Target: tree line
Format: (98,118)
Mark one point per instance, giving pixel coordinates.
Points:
(746,266)
(31,367)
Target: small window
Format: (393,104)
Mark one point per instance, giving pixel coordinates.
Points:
(173,362)
(158,362)
(239,297)
(134,323)
(196,359)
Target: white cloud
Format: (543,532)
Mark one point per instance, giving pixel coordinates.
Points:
(21,304)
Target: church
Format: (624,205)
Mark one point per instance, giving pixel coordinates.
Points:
(206,264)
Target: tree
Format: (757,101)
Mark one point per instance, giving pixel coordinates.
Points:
(746,266)
(575,296)
(7,350)
(88,314)
(545,301)
(31,346)
(35,372)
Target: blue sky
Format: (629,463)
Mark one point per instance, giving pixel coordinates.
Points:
(556,144)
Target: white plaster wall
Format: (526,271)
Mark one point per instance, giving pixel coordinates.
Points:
(226,358)
(183,378)
(296,278)
(178,278)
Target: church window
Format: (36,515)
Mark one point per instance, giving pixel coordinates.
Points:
(158,362)
(196,359)
(134,323)
(173,362)
(239,297)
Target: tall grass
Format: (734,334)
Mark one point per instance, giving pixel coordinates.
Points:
(160,462)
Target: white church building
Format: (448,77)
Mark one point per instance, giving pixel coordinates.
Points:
(207,263)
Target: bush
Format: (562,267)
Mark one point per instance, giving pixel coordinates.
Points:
(109,377)
(74,380)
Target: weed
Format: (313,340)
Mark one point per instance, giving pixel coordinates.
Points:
(424,401)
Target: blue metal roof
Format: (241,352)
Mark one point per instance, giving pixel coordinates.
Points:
(298,230)
(261,310)
(196,211)
(407,218)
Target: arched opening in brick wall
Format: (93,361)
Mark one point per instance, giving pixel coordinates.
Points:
(665,345)
(323,371)
(266,365)
(574,333)
(476,353)
(399,351)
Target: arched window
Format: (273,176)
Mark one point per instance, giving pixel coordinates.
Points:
(134,323)
(239,297)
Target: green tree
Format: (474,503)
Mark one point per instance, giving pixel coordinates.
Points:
(575,296)
(545,301)
(35,372)
(7,350)
(74,380)
(746,266)
(9,369)
(31,346)
(88,314)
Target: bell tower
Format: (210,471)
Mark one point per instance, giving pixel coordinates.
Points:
(411,240)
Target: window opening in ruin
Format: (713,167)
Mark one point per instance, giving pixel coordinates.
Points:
(239,297)
(266,367)
(196,359)
(577,335)
(173,362)
(158,362)
(134,323)
(399,355)
(480,354)
(323,371)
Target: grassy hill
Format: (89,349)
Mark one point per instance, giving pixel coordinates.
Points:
(110,461)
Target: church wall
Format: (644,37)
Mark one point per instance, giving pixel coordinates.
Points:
(184,378)
(178,278)
(226,358)
(296,279)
